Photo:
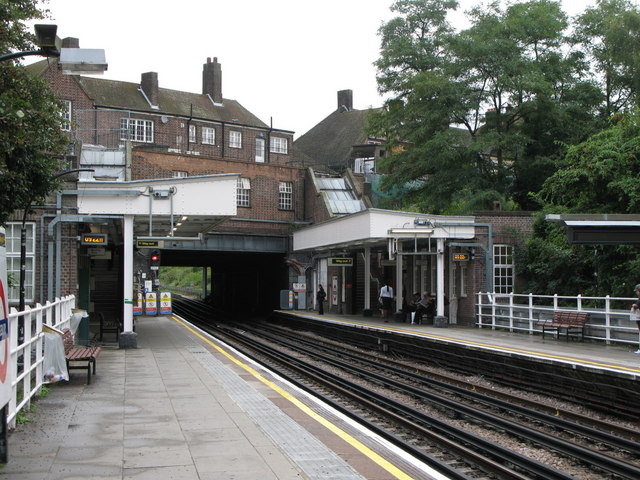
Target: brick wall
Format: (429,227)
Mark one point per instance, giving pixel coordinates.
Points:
(264,178)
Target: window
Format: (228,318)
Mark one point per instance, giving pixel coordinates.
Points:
(209,135)
(259,150)
(235,139)
(278,145)
(243,192)
(136,130)
(503,268)
(285,198)
(179,174)
(12,233)
(192,133)
(65,124)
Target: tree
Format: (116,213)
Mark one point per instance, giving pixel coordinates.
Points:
(31,140)
(507,85)
(599,175)
(609,36)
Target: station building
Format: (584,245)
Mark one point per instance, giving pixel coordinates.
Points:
(267,216)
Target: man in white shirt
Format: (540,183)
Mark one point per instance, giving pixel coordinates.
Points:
(386,299)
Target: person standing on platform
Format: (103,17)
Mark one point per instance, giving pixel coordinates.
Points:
(635,311)
(386,299)
(320,296)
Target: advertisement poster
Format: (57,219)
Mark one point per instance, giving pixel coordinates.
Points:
(5,380)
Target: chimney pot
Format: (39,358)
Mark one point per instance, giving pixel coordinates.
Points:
(149,84)
(70,42)
(212,80)
(345,100)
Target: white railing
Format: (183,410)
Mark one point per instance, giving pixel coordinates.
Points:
(26,359)
(608,316)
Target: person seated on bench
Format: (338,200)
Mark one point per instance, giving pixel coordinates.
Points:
(425,306)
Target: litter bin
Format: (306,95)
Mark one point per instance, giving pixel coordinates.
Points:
(80,326)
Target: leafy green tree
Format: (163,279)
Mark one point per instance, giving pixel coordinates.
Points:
(31,141)
(609,36)
(599,175)
(507,84)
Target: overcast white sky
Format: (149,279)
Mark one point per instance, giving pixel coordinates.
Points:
(283,60)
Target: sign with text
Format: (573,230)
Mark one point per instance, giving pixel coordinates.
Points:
(165,303)
(460,257)
(340,262)
(150,243)
(151,304)
(94,239)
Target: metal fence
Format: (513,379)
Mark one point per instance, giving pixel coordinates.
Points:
(608,316)
(26,359)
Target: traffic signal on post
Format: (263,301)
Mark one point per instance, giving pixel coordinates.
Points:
(154,258)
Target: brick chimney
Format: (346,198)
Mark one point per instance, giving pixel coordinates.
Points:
(212,79)
(345,100)
(149,84)
(70,42)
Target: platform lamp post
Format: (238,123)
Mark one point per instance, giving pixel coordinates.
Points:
(73,61)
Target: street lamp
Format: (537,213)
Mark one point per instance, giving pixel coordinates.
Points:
(73,61)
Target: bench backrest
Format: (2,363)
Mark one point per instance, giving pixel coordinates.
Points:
(570,317)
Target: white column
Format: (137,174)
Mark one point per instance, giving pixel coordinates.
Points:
(128,273)
(367,277)
(440,278)
(398,291)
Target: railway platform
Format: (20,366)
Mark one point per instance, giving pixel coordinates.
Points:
(183,407)
(619,360)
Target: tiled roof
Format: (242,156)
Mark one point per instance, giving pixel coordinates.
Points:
(331,140)
(126,95)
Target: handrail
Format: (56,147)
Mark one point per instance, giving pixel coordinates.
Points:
(26,360)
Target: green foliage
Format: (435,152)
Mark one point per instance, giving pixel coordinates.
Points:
(181,280)
(31,141)
(518,94)
(599,175)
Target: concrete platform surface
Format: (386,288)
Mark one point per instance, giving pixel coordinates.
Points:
(169,409)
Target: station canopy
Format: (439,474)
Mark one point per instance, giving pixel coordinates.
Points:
(374,227)
(599,229)
(171,207)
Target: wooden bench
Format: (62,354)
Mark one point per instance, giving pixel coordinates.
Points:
(571,321)
(85,356)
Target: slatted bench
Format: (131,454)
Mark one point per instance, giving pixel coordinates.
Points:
(571,321)
(84,356)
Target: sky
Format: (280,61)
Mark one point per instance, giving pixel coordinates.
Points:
(283,60)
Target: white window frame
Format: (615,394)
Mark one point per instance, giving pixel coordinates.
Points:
(260,150)
(180,174)
(12,235)
(208,135)
(503,268)
(193,133)
(243,193)
(285,196)
(65,124)
(136,130)
(235,139)
(279,145)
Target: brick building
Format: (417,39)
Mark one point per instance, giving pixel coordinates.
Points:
(126,131)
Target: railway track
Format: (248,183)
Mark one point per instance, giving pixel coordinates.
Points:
(351,381)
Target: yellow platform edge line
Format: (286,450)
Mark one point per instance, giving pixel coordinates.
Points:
(480,344)
(376,458)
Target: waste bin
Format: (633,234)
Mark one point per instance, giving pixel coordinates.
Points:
(80,326)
